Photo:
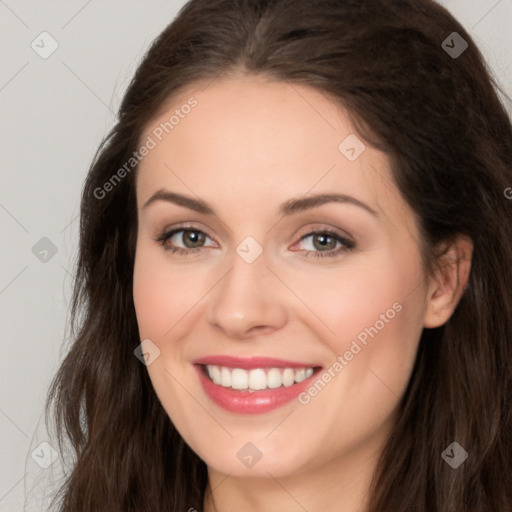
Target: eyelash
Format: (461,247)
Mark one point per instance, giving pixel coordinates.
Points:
(349,245)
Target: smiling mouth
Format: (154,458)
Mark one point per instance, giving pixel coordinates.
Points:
(256,379)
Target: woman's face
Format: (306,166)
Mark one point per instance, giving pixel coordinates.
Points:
(316,304)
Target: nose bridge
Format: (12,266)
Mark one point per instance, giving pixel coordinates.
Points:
(248,294)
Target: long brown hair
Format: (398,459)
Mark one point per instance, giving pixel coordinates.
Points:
(440,121)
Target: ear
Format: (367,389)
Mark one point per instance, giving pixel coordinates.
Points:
(449,282)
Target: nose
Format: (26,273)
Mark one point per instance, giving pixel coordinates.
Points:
(248,300)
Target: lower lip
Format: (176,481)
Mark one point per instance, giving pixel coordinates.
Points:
(255,402)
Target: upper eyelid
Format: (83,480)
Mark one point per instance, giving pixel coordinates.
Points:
(166,232)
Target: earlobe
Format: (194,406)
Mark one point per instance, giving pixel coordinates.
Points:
(449,282)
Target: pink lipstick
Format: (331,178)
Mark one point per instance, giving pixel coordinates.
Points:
(253,385)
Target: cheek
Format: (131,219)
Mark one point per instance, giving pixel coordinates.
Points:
(367,292)
(371,314)
(379,326)
(162,292)
(150,297)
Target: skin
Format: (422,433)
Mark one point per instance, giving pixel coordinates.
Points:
(248,146)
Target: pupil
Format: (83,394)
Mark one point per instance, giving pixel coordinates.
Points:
(195,237)
(323,239)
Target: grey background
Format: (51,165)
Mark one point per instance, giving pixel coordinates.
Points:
(53,114)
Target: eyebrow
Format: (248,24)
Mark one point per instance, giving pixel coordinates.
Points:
(288,208)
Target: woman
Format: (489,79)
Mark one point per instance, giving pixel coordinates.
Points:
(295,268)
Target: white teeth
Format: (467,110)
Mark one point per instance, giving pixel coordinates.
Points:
(214,373)
(225,380)
(274,378)
(258,378)
(288,377)
(239,379)
(300,375)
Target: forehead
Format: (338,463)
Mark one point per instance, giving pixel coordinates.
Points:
(251,140)
(244,113)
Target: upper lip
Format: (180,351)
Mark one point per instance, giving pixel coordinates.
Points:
(251,362)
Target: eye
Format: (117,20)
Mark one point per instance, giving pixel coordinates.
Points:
(190,237)
(323,244)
